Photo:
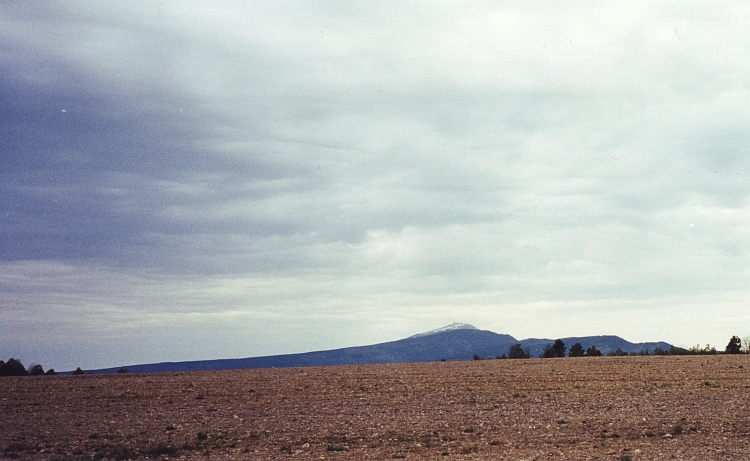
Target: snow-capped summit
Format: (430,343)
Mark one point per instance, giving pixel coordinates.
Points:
(452,326)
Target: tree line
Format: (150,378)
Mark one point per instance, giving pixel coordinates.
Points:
(14,367)
(558,349)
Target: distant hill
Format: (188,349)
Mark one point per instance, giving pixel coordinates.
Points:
(454,342)
(605,344)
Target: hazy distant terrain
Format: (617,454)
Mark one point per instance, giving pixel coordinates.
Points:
(455,342)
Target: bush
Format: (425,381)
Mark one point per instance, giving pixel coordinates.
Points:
(618,353)
(122,370)
(78,371)
(674,350)
(697,350)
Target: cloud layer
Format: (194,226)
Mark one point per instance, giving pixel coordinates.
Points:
(185,181)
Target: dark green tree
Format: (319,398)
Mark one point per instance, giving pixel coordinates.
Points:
(51,372)
(592,351)
(734,346)
(556,349)
(78,371)
(516,352)
(559,347)
(576,350)
(14,367)
(36,370)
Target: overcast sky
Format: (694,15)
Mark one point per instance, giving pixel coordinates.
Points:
(197,180)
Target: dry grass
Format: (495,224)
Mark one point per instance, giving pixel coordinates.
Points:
(612,408)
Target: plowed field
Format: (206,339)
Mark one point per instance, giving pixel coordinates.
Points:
(615,408)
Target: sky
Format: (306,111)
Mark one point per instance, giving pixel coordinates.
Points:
(186,180)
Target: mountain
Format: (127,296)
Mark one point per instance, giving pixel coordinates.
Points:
(452,326)
(454,342)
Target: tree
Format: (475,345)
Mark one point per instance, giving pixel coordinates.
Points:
(547,352)
(618,353)
(122,370)
(674,350)
(746,344)
(697,350)
(556,349)
(734,346)
(14,367)
(576,350)
(593,352)
(51,372)
(78,371)
(36,370)
(477,357)
(516,352)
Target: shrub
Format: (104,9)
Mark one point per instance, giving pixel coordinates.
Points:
(697,350)
(78,371)
(161,449)
(51,372)
(674,350)
(122,370)
(618,353)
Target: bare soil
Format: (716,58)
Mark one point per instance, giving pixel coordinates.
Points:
(615,408)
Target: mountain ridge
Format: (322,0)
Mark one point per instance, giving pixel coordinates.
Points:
(454,342)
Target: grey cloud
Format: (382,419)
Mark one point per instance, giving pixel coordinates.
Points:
(261,160)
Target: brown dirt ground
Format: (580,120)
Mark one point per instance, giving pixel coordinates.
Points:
(616,408)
